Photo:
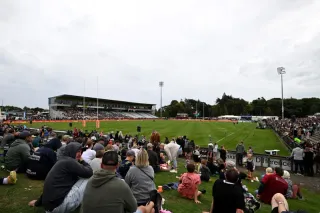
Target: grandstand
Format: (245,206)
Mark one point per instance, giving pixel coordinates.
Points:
(71,107)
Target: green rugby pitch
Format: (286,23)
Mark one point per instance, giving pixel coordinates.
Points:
(223,133)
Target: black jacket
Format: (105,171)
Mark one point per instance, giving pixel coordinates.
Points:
(41,162)
(63,175)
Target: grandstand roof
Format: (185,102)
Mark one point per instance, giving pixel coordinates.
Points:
(66,96)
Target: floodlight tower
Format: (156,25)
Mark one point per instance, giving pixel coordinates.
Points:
(281,71)
(161,86)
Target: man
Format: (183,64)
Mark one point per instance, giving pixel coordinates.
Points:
(96,162)
(41,162)
(153,158)
(126,163)
(227,195)
(19,153)
(61,150)
(119,198)
(239,153)
(99,145)
(298,154)
(271,185)
(63,190)
(171,150)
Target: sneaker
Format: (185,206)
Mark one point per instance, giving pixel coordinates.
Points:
(173,171)
(257,179)
(12,178)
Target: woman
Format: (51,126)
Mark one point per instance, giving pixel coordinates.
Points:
(293,191)
(140,178)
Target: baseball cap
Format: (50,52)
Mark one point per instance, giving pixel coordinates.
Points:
(149,145)
(24,134)
(130,153)
(110,158)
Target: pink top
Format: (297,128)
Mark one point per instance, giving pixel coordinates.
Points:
(189,184)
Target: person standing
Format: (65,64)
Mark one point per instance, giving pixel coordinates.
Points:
(298,154)
(240,149)
(172,152)
(308,160)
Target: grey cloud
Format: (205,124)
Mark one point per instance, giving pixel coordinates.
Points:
(199,50)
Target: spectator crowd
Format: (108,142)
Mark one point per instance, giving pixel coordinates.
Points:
(80,167)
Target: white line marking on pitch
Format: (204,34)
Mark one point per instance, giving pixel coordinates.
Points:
(225,137)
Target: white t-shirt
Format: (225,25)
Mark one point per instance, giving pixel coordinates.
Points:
(96,164)
(88,155)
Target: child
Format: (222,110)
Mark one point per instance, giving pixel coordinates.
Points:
(196,158)
(204,171)
(250,167)
(189,183)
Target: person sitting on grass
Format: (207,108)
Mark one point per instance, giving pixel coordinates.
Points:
(196,158)
(293,191)
(269,171)
(126,163)
(279,204)
(212,166)
(96,162)
(89,154)
(119,198)
(227,195)
(65,183)
(189,183)
(11,179)
(140,178)
(41,162)
(271,185)
(204,171)
(19,153)
(153,158)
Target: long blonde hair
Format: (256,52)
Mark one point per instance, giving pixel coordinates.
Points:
(142,159)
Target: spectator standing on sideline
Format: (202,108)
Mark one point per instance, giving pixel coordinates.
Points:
(308,160)
(240,150)
(298,154)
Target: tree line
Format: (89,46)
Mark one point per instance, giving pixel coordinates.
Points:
(229,105)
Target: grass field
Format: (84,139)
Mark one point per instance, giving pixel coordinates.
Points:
(14,199)
(223,133)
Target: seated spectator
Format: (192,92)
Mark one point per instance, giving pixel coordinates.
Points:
(11,179)
(140,178)
(36,139)
(61,150)
(8,139)
(96,162)
(64,186)
(227,194)
(293,191)
(204,171)
(189,183)
(89,154)
(119,198)
(212,166)
(196,158)
(279,204)
(99,145)
(135,149)
(126,163)
(269,171)
(19,153)
(41,162)
(153,158)
(271,185)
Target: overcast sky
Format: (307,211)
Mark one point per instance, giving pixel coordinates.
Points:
(200,49)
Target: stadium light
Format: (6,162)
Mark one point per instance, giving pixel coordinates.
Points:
(161,85)
(281,71)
